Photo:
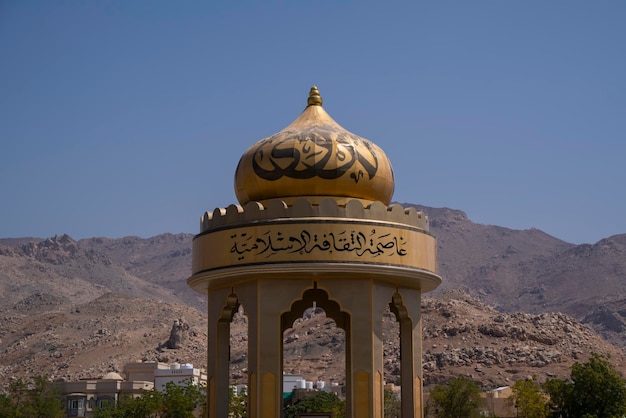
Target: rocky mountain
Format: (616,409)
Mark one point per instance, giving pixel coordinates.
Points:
(513,303)
(531,271)
(44,335)
(461,336)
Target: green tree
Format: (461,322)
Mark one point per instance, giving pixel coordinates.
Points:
(237,404)
(318,401)
(15,399)
(148,405)
(529,400)
(560,393)
(459,397)
(180,401)
(176,401)
(6,406)
(595,389)
(38,398)
(393,407)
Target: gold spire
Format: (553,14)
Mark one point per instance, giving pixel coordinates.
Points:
(314,97)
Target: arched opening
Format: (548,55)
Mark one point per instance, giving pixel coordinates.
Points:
(391,362)
(314,347)
(233,318)
(238,348)
(405,344)
(238,372)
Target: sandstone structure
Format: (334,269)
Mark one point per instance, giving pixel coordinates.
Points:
(313,227)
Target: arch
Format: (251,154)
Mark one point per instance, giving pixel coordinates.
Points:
(410,366)
(333,310)
(322,300)
(218,372)
(231,307)
(397,307)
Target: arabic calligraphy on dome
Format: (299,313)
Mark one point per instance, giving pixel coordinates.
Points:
(328,154)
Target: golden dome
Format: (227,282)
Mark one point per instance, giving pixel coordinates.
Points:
(316,158)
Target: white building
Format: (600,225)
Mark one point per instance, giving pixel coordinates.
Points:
(177,373)
(292,382)
(83,396)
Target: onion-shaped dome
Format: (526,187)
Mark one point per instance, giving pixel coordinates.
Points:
(316,158)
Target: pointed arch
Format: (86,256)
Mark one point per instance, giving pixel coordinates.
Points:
(398,308)
(322,300)
(231,307)
(410,357)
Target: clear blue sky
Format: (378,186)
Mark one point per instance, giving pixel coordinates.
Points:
(126,118)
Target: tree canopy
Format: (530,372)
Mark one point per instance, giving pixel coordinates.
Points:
(595,389)
(36,398)
(392,405)
(237,404)
(529,400)
(459,397)
(318,401)
(177,401)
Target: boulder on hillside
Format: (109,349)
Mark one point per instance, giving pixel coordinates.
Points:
(177,334)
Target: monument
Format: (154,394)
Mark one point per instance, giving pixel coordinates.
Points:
(314,224)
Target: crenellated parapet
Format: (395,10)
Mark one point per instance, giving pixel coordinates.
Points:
(303,239)
(302,208)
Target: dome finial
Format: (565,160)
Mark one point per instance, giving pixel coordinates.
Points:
(314,97)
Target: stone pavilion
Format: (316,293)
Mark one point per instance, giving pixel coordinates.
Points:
(314,225)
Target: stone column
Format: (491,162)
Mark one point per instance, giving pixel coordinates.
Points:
(364,347)
(407,307)
(264,302)
(218,344)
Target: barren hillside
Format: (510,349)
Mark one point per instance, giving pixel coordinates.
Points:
(75,309)
(43,335)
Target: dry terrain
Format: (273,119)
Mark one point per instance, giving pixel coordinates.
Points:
(513,304)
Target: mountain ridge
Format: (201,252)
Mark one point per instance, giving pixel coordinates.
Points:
(54,284)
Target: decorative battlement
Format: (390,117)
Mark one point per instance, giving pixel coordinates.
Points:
(302,208)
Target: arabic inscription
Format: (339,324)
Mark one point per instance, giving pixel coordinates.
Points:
(270,243)
(310,154)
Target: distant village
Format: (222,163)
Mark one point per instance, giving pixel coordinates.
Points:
(81,398)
